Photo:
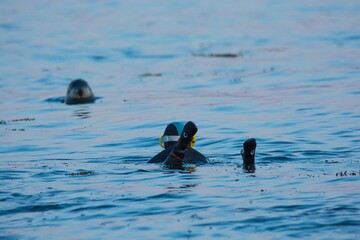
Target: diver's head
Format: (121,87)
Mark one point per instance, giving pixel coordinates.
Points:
(172,133)
(79,91)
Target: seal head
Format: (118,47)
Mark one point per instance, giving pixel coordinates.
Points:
(79,92)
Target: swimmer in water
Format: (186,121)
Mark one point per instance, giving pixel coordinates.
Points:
(79,92)
(173,139)
(179,141)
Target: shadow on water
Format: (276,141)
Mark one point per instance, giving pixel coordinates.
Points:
(62,100)
(55,100)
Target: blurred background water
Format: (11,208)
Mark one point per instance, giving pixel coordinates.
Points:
(284,72)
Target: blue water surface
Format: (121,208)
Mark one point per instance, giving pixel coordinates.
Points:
(284,72)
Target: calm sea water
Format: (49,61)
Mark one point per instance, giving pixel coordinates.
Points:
(284,72)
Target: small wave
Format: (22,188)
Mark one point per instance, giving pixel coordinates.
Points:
(36,208)
(12,174)
(98,58)
(130,172)
(91,208)
(48,174)
(62,99)
(287,208)
(55,99)
(276,159)
(136,54)
(8,26)
(166,196)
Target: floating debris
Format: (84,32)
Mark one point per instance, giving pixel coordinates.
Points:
(82,173)
(22,119)
(332,161)
(15,129)
(98,58)
(151,75)
(346,173)
(220,55)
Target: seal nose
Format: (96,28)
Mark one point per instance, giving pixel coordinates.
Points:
(80,92)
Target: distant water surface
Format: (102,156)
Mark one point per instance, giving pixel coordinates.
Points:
(284,72)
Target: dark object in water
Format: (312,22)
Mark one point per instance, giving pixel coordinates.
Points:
(345,173)
(248,155)
(17,120)
(79,92)
(82,173)
(219,55)
(151,75)
(176,156)
(169,139)
(22,119)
